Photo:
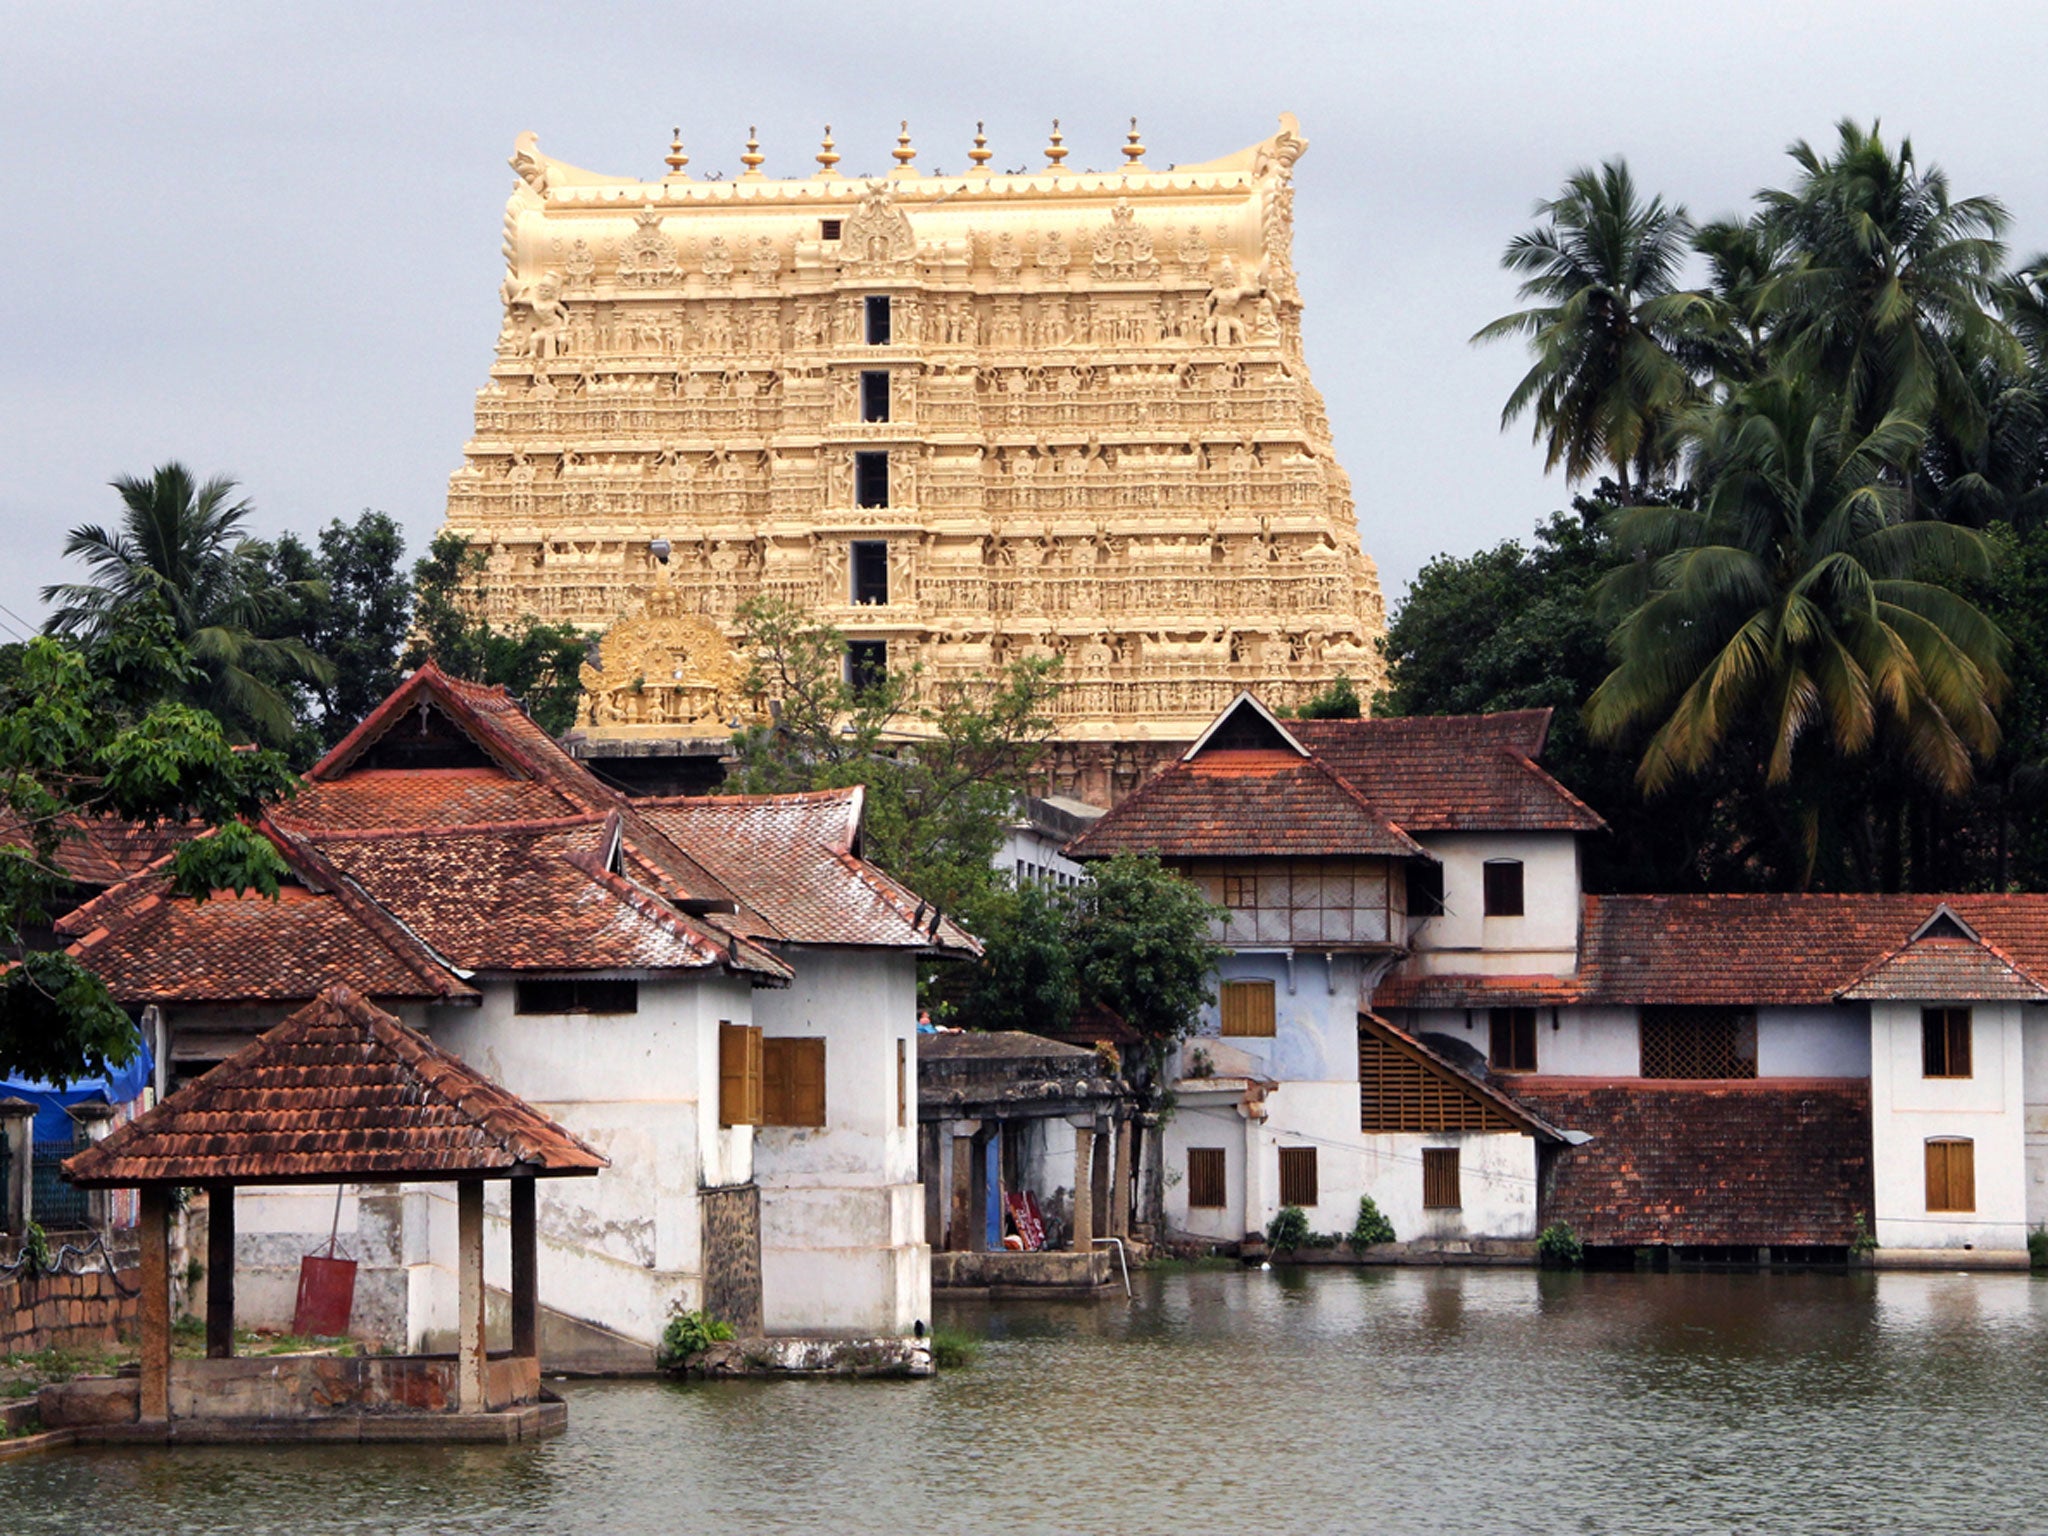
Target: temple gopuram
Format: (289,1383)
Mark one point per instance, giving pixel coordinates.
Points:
(963,418)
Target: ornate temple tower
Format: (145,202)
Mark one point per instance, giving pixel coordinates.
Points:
(962,417)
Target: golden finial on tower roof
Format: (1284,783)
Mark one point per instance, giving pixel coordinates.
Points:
(675,159)
(981,154)
(1056,151)
(753,157)
(827,155)
(903,153)
(1134,151)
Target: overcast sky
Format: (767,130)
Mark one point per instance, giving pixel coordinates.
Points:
(263,239)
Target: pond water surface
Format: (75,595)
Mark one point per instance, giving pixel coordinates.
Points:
(1290,1401)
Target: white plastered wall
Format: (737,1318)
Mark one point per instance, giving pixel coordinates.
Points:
(2034,1049)
(1543,941)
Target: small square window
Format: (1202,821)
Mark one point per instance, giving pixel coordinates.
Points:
(871,479)
(877,311)
(1513,1039)
(1503,887)
(828,229)
(1247,1008)
(1945,1042)
(1240,892)
(874,395)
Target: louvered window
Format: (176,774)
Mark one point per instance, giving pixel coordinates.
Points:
(1247,1007)
(1440,1190)
(1397,1092)
(793,1082)
(1945,1042)
(739,1074)
(1298,1176)
(1693,1043)
(1512,1039)
(1205,1178)
(1951,1174)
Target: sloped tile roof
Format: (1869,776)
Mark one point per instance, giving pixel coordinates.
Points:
(793,857)
(1950,970)
(340,1091)
(1260,803)
(529,896)
(1468,991)
(423,797)
(1450,773)
(1720,1164)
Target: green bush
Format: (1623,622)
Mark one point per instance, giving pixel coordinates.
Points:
(952,1348)
(2037,1247)
(1558,1246)
(1289,1230)
(687,1334)
(1371,1227)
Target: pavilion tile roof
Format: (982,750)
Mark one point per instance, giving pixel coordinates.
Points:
(794,857)
(1246,803)
(340,1091)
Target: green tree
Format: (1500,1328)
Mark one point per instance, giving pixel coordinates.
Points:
(84,737)
(182,550)
(1141,937)
(1797,618)
(353,606)
(540,663)
(1027,979)
(1608,327)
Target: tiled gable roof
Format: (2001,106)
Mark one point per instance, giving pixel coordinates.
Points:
(1947,970)
(530,896)
(1451,773)
(1246,804)
(103,850)
(423,797)
(793,856)
(340,1091)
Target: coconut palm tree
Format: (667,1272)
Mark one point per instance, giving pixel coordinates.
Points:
(181,550)
(1886,285)
(1608,326)
(1797,607)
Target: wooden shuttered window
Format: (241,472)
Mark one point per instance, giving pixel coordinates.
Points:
(1247,1007)
(793,1081)
(1945,1042)
(1298,1176)
(1205,1179)
(1440,1179)
(1951,1174)
(739,1074)
(1503,887)
(1398,1092)
(1512,1039)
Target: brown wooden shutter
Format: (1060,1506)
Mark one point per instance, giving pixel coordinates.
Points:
(776,1078)
(1440,1179)
(1951,1175)
(1298,1176)
(807,1083)
(739,1074)
(902,1082)
(1247,1007)
(1206,1187)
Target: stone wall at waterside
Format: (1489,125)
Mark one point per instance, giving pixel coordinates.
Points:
(65,1311)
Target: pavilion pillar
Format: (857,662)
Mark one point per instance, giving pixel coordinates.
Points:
(1120,1183)
(525,1271)
(220,1271)
(959,1220)
(1084,1189)
(155,1308)
(469,1243)
(977,1203)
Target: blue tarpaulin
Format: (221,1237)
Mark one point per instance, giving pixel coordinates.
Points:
(53,1118)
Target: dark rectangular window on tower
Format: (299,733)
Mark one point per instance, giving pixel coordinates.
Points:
(874,395)
(870,571)
(828,229)
(867,663)
(878,319)
(871,479)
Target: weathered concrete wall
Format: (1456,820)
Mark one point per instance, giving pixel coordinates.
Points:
(85,1311)
(1002,1270)
(1544,940)
(313,1386)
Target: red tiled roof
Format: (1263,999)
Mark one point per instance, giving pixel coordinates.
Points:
(530,896)
(340,1091)
(793,856)
(1450,773)
(1468,991)
(423,797)
(1952,970)
(1245,804)
(1714,1164)
(103,850)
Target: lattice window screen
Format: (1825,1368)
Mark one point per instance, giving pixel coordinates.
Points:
(1397,1092)
(1694,1043)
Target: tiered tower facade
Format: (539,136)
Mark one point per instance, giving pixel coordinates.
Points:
(964,418)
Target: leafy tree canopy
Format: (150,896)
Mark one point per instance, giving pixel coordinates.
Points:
(540,663)
(351,604)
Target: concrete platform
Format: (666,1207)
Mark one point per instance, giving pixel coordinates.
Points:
(535,1421)
(1005,1272)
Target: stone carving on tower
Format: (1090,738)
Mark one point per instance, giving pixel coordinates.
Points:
(963,418)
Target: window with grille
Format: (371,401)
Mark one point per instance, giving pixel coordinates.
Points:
(1240,892)
(1205,1178)
(1503,887)
(1397,1092)
(575,994)
(828,229)
(1440,1179)
(877,311)
(1945,1042)
(1247,1007)
(1513,1042)
(1298,1176)
(1951,1174)
(871,479)
(793,1082)
(868,564)
(739,1074)
(1680,1042)
(874,394)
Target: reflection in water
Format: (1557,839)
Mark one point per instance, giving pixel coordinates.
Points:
(1334,1400)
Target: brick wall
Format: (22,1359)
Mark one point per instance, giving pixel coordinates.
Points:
(66,1311)
(732,1256)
